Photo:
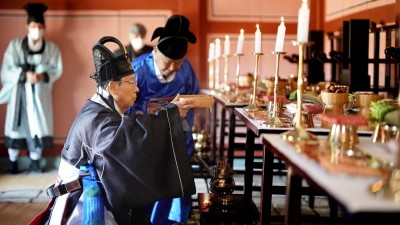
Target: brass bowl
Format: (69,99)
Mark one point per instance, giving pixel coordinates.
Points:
(330,98)
(364,100)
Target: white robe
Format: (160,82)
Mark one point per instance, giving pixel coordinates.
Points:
(39,102)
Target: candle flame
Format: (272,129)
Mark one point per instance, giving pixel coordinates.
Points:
(257,26)
(282,19)
(217,41)
(226,37)
(241,31)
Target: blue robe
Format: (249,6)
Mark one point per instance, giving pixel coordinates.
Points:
(185,82)
(37,97)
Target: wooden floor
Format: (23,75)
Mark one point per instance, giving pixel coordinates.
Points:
(19,213)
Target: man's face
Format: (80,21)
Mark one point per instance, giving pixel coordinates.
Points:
(166,65)
(126,90)
(35,30)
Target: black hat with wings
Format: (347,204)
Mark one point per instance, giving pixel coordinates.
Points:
(109,66)
(174,37)
(35,12)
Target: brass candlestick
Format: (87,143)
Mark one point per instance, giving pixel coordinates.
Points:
(216,85)
(239,97)
(225,86)
(299,134)
(211,73)
(253,106)
(274,120)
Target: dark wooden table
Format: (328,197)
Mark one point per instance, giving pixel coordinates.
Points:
(226,106)
(241,211)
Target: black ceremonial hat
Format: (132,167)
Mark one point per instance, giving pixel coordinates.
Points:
(35,12)
(108,66)
(174,37)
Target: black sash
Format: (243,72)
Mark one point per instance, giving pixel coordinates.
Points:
(20,110)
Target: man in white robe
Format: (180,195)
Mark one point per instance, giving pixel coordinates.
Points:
(31,65)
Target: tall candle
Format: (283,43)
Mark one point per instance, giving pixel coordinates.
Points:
(280,36)
(239,48)
(257,40)
(211,52)
(217,48)
(303,23)
(227,46)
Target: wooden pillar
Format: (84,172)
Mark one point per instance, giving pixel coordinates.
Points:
(315,66)
(355,49)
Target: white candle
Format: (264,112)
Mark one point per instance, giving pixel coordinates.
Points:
(217,48)
(257,40)
(280,36)
(211,52)
(239,48)
(227,46)
(303,23)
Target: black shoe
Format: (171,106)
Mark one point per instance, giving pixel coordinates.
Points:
(12,167)
(35,166)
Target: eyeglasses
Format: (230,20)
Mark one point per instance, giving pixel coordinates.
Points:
(129,81)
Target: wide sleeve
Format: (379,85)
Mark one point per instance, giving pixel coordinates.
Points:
(51,63)
(146,160)
(10,71)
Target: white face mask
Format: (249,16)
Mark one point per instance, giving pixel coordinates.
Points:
(137,43)
(35,33)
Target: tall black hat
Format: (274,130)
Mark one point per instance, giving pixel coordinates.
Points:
(108,66)
(35,12)
(174,37)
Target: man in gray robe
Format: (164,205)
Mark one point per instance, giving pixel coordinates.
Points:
(31,65)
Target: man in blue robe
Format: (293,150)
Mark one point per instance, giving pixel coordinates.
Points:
(161,74)
(31,65)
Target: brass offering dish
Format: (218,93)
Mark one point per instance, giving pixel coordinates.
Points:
(335,98)
(364,99)
(280,108)
(341,134)
(344,128)
(342,152)
(307,115)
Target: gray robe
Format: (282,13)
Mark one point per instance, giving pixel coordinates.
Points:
(38,97)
